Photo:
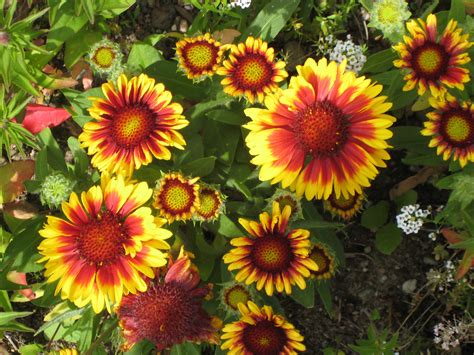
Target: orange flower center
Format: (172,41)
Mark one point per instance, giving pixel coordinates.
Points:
(264,338)
(457,127)
(430,61)
(104,57)
(209,203)
(132,125)
(200,56)
(235,295)
(321,259)
(343,203)
(272,253)
(101,241)
(253,72)
(321,128)
(176,196)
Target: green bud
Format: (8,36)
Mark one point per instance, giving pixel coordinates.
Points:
(55,189)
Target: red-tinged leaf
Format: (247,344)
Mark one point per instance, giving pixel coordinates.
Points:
(467,262)
(39,117)
(20,209)
(20,279)
(12,176)
(83,70)
(451,236)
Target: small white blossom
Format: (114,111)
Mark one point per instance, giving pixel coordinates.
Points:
(243,4)
(448,335)
(411,218)
(347,50)
(432,236)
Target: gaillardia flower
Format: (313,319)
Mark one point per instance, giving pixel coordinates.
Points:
(260,332)
(106,244)
(251,70)
(211,204)
(287,198)
(389,16)
(105,58)
(170,311)
(234,293)
(199,56)
(346,208)
(452,128)
(176,197)
(325,261)
(431,62)
(272,257)
(327,132)
(134,123)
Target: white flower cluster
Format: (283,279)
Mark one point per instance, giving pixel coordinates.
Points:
(411,219)
(243,4)
(346,50)
(450,334)
(442,279)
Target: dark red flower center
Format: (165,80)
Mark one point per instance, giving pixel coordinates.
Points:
(321,129)
(272,253)
(457,127)
(321,259)
(176,197)
(132,125)
(253,72)
(235,295)
(264,338)
(200,56)
(342,203)
(430,61)
(101,240)
(166,314)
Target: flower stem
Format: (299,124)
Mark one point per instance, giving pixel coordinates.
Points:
(101,338)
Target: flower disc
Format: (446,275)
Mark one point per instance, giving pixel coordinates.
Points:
(346,208)
(251,70)
(260,332)
(431,62)
(210,204)
(176,197)
(104,57)
(272,257)
(236,294)
(106,245)
(170,311)
(452,128)
(325,261)
(326,133)
(199,56)
(134,123)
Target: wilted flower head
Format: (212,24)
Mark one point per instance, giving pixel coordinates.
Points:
(450,334)
(55,189)
(389,16)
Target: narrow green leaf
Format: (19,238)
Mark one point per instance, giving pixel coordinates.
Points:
(457,11)
(325,293)
(88,6)
(380,61)
(6,317)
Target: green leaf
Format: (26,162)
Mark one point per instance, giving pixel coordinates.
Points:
(457,11)
(325,293)
(15,326)
(5,301)
(227,116)
(88,6)
(380,61)
(307,224)
(375,216)
(409,137)
(304,297)
(142,56)
(271,19)
(60,318)
(81,161)
(388,238)
(54,152)
(6,317)
(227,228)
(185,349)
(408,198)
(166,72)
(31,349)
(200,167)
(78,46)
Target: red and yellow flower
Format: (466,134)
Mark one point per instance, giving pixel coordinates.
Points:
(272,257)
(431,62)
(170,311)
(105,246)
(251,70)
(326,133)
(199,56)
(259,331)
(325,261)
(452,128)
(234,294)
(176,197)
(211,204)
(346,208)
(133,123)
